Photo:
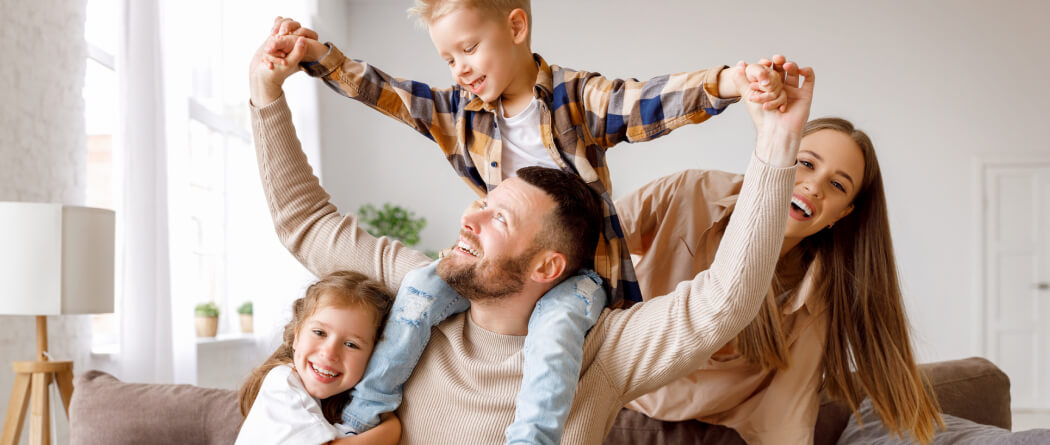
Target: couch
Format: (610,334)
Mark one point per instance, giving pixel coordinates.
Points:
(105,410)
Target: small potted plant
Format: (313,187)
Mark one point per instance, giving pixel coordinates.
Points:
(207,318)
(245,311)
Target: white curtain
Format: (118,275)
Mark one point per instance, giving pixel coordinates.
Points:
(146,352)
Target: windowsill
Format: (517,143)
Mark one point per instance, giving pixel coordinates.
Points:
(227,338)
(105,350)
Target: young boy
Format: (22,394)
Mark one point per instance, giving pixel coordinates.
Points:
(510,109)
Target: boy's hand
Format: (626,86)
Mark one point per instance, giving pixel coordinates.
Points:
(284,26)
(760,83)
(765,86)
(777,69)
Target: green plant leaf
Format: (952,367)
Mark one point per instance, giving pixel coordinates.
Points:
(208,309)
(391,221)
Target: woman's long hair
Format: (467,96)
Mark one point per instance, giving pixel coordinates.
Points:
(867,327)
(343,289)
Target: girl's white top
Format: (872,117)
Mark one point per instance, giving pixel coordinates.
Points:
(284,412)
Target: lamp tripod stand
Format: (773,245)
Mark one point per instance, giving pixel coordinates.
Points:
(32,380)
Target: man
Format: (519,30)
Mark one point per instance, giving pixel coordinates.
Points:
(463,388)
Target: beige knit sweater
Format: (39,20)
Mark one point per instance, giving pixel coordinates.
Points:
(464,387)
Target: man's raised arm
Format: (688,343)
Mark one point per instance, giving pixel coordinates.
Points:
(307,223)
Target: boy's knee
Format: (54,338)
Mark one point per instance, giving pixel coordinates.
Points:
(412,306)
(588,287)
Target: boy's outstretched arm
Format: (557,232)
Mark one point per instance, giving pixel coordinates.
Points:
(430,111)
(630,110)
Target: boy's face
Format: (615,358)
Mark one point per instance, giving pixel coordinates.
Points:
(479,50)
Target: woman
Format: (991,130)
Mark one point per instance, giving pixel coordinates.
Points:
(835,303)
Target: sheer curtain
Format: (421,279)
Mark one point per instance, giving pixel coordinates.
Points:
(181,63)
(146,352)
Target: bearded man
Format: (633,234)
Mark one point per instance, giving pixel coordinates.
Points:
(512,249)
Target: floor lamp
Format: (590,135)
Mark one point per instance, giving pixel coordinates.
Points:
(54,260)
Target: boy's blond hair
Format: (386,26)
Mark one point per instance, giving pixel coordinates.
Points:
(429,10)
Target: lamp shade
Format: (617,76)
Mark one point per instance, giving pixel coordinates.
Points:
(55,259)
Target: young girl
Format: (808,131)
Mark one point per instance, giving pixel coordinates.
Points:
(299,392)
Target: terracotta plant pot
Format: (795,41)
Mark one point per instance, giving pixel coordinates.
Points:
(207,326)
(246,323)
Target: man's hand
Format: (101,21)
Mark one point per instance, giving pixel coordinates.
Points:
(284,26)
(266,73)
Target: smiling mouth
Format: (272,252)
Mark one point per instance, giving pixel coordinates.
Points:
(323,372)
(463,247)
(801,207)
(476,85)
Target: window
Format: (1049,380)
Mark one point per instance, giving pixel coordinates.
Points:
(100,89)
(223,239)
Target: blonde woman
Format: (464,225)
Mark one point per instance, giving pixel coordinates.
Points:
(834,304)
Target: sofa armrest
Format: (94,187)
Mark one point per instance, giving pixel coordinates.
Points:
(972,388)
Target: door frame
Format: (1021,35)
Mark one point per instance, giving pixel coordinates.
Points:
(982,164)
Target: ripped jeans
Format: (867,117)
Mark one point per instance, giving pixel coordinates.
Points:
(553,352)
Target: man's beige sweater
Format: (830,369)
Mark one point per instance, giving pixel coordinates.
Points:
(464,387)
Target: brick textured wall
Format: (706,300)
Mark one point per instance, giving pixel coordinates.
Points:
(42,153)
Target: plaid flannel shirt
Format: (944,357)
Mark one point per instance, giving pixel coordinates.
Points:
(581,115)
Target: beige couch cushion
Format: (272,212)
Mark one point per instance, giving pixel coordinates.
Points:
(105,410)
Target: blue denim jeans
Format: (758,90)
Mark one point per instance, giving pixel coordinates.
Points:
(553,352)
(553,358)
(423,301)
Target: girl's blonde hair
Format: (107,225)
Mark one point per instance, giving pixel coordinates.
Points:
(429,10)
(868,348)
(343,289)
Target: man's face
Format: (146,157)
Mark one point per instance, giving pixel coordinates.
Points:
(493,255)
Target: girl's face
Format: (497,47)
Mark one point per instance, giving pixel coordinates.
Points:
(333,347)
(830,170)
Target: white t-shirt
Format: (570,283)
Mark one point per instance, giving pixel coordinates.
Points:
(284,412)
(522,143)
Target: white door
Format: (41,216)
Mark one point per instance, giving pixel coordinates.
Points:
(1016,213)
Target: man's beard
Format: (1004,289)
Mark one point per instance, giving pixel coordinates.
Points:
(505,277)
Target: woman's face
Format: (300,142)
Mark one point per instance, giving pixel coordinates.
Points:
(830,169)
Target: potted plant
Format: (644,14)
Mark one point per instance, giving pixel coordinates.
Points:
(245,311)
(207,318)
(393,221)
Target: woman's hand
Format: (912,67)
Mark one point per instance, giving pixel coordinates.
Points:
(779,132)
(266,72)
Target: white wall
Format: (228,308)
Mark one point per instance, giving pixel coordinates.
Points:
(43,157)
(934,83)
